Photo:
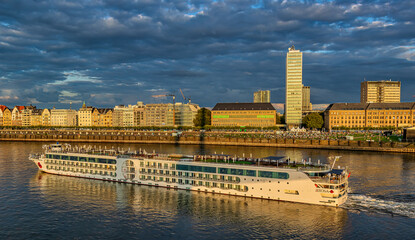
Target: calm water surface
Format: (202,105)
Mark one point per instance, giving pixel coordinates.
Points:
(35,205)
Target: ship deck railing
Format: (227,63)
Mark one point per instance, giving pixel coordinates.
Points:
(35,155)
(329,181)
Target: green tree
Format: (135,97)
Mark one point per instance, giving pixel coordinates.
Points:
(313,120)
(278,119)
(282,119)
(202,118)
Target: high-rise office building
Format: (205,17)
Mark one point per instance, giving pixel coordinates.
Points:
(307,106)
(262,96)
(293,87)
(380,91)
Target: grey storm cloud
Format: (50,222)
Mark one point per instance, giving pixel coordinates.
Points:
(122,51)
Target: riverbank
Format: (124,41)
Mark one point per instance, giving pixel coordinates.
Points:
(170,137)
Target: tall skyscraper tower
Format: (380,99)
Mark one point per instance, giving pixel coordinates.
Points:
(293,87)
(262,96)
(380,92)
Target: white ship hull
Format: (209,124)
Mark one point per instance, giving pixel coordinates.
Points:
(298,187)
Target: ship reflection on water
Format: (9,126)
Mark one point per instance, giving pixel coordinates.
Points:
(162,212)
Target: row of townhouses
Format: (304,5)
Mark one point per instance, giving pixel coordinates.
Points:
(163,114)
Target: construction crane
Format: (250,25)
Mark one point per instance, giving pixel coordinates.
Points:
(174,104)
(185,98)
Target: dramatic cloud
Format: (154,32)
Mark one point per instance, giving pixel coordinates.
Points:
(108,52)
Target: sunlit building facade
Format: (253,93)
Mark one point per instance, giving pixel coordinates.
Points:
(85,116)
(6,116)
(380,91)
(102,117)
(36,117)
(63,117)
(262,96)
(17,115)
(244,115)
(46,117)
(128,116)
(370,115)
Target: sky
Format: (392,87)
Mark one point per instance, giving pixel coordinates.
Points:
(111,52)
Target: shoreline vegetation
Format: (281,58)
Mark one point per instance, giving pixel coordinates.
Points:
(362,141)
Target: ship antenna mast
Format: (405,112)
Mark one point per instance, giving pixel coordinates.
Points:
(335,159)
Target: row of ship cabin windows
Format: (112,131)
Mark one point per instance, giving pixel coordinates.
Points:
(80,164)
(81,170)
(206,169)
(196,183)
(82,159)
(191,175)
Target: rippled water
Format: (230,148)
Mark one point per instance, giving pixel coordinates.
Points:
(43,206)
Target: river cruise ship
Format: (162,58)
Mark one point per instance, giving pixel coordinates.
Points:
(271,178)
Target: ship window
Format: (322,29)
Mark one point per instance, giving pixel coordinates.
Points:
(102,160)
(74,158)
(195,168)
(268,174)
(65,157)
(251,173)
(223,170)
(234,171)
(289,191)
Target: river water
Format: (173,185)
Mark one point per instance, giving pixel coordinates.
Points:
(35,205)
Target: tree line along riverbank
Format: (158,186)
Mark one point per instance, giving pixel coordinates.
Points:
(172,137)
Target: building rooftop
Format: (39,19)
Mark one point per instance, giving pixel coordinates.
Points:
(371,106)
(347,106)
(37,111)
(398,106)
(104,110)
(243,106)
(2,108)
